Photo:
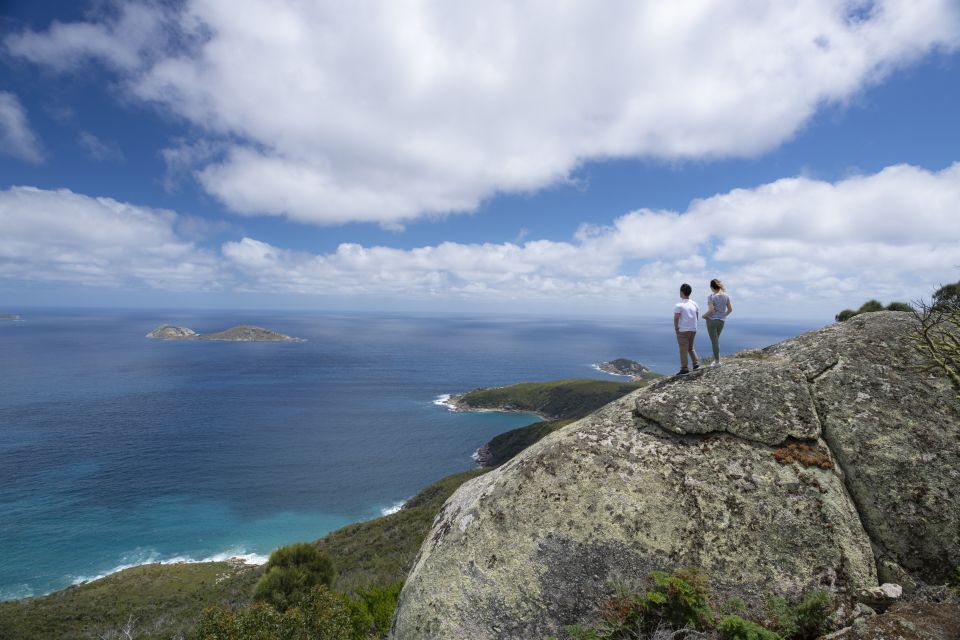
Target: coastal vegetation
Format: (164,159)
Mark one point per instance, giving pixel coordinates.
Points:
(943,299)
(506,445)
(562,399)
(153,601)
(291,574)
(871,306)
(682,600)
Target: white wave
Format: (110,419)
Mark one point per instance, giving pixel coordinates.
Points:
(443,400)
(153,557)
(476,455)
(386,511)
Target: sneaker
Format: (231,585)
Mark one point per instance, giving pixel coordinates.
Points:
(682,372)
(696,366)
(714,364)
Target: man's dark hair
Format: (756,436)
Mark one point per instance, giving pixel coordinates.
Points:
(686,289)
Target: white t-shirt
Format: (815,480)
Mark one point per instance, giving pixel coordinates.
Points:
(689,314)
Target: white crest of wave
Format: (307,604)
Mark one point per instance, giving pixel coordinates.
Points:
(141,558)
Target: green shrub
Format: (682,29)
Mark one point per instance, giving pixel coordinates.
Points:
(321,615)
(735,606)
(899,306)
(371,609)
(327,616)
(681,599)
(947,296)
(677,600)
(870,306)
(736,628)
(780,615)
(291,573)
(576,632)
(805,621)
(845,315)
(811,615)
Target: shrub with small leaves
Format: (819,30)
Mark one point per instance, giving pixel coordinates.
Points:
(291,573)
(681,599)
(811,615)
(736,628)
(321,615)
(804,621)
(371,610)
(734,606)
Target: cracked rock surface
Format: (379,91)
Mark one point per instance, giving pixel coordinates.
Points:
(683,473)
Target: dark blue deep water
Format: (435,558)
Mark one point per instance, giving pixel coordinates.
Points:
(118,450)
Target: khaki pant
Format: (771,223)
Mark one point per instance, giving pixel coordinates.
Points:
(685,340)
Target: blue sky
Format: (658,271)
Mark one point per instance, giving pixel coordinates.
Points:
(478,157)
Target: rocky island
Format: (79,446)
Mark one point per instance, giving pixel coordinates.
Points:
(241,333)
(9,316)
(625,367)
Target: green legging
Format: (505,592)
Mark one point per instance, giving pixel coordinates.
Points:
(715,328)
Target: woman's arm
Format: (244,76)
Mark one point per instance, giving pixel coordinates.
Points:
(729,305)
(709,311)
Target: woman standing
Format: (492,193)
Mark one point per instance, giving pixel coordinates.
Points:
(718,308)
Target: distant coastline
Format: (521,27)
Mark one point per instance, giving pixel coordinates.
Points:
(12,317)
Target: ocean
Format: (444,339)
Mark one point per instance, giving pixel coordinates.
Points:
(118,450)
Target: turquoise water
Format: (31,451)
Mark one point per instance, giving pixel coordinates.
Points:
(117,450)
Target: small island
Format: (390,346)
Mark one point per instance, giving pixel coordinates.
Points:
(242,333)
(625,367)
(9,316)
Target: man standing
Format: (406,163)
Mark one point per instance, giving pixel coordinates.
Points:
(686,315)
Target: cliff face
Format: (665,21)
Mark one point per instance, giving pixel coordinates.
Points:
(699,471)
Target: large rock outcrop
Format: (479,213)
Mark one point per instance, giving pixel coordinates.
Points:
(698,472)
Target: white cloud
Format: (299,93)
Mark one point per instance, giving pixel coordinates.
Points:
(125,39)
(805,242)
(61,236)
(16,137)
(385,112)
(796,246)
